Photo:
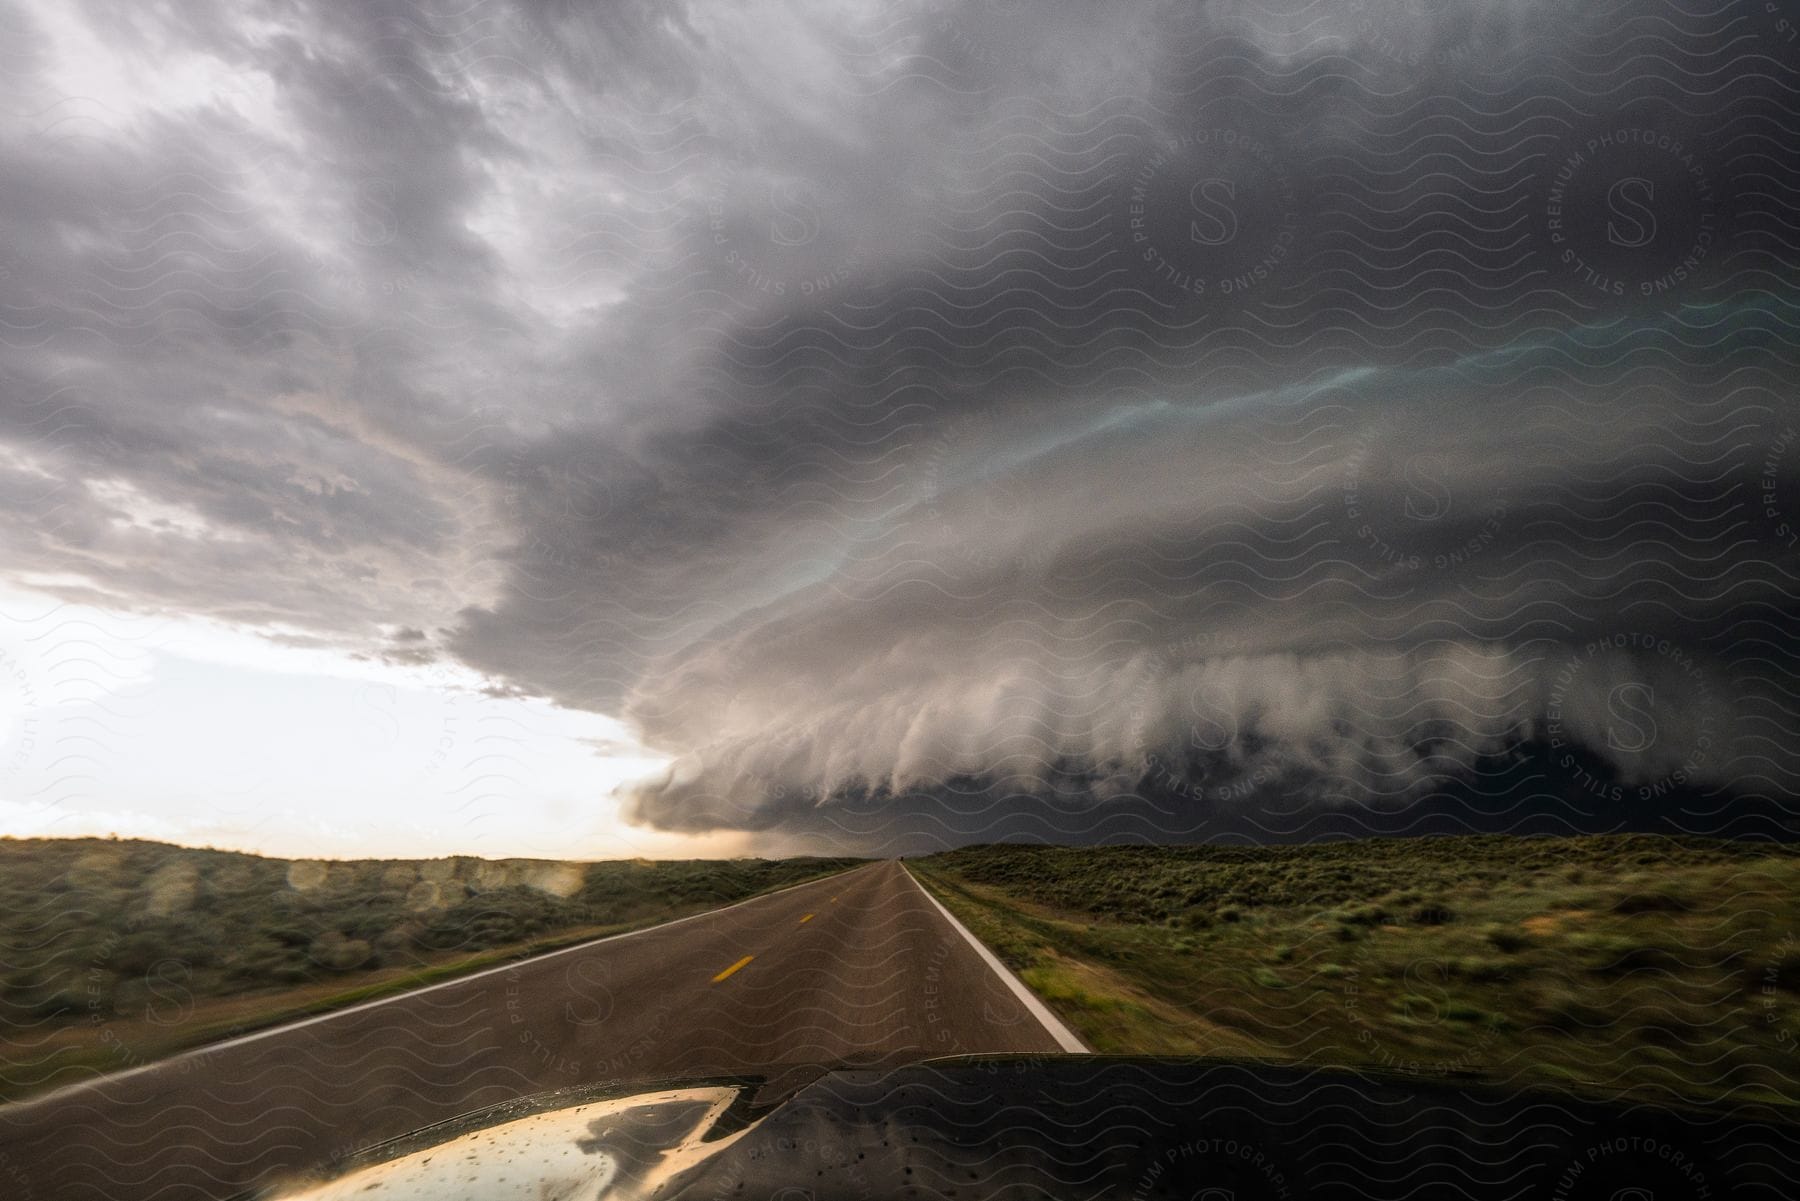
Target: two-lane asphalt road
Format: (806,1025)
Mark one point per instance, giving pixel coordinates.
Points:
(860,968)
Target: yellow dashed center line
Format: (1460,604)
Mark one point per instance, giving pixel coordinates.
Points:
(734,967)
(809,917)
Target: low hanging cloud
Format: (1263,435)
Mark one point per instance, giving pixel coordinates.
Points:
(1271,717)
(917,416)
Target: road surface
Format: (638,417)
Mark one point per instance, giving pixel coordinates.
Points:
(860,968)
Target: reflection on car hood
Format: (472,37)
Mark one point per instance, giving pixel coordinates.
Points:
(1081,1126)
(617,1147)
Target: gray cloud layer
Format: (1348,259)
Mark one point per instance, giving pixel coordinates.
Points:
(1279,408)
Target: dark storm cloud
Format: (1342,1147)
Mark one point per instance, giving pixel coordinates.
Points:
(936,415)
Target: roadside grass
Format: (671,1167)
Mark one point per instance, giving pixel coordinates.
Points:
(71,1052)
(106,966)
(1653,967)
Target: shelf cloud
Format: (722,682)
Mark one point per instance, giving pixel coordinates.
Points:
(934,421)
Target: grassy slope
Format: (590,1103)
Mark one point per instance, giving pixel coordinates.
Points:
(113,953)
(1652,966)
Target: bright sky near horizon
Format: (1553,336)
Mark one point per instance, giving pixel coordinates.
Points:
(193,732)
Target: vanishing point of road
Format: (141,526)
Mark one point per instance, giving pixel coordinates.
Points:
(860,968)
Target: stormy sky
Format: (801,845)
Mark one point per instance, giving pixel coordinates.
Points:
(659,428)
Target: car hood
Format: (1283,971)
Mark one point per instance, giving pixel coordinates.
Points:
(1087,1126)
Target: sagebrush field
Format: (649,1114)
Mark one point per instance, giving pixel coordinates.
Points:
(1621,963)
(113,952)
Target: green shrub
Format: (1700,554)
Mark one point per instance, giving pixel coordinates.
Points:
(1482,971)
(1651,901)
(1782,971)
(1610,955)
(335,952)
(66,1004)
(1363,915)
(1567,1010)
(1432,913)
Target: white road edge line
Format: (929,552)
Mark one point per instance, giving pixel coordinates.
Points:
(1065,1038)
(331,1014)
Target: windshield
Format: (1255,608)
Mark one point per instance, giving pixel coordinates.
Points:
(599,576)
